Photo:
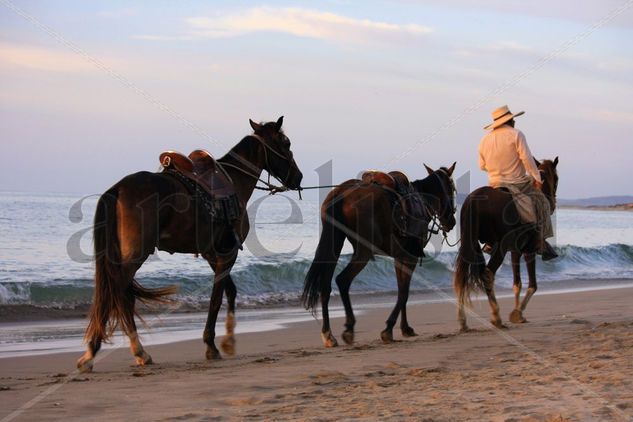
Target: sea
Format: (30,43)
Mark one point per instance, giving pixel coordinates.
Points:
(46,266)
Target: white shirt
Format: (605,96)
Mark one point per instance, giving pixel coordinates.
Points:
(505,155)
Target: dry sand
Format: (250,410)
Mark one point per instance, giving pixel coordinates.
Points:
(572,361)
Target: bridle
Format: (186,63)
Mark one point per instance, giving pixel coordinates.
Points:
(269,186)
(436,225)
(551,198)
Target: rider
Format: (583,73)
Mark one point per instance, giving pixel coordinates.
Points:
(505,155)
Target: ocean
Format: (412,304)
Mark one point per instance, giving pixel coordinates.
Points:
(46,262)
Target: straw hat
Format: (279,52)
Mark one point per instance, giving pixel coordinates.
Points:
(501,116)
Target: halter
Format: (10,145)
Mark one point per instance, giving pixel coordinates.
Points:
(436,226)
(453,189)
(554,187)
(269,186)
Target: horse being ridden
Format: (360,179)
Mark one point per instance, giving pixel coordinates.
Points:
(147,211)
(489,215)
(549,188)
(363,213)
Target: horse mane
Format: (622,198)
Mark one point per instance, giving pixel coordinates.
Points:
(241,149)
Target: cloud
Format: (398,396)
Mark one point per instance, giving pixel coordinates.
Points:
(298,22)
(581,12)
(42,59)
(520,55)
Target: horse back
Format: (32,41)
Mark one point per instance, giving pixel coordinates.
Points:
(166,215)
(492,210)
(369,212)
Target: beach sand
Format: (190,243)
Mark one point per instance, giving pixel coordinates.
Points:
(572,361)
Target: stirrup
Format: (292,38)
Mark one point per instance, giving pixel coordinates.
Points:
(548,252)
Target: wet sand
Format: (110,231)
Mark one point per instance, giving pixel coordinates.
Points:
(572,361)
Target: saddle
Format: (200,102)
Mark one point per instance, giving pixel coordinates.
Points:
(410,216)
(203,172)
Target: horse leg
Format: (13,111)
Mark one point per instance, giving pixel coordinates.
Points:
(86,361)
(326,332)
(461,313)
(515,316)
(344,281)
(228,342)
(128,270)
(489,286)
(221,273)
(404,271)
(406,329)
(141,357)
(530,260)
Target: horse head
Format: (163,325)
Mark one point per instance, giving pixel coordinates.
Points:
(279,160)
(549,176)
(442,197)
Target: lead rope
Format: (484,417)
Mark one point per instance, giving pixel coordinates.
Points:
(445,240)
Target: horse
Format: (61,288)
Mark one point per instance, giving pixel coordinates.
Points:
(363,213)
(146,211)
(489,215)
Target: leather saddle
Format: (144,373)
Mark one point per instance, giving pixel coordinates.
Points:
(409,213)
(201,169)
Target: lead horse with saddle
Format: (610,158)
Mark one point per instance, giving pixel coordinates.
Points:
(196,205)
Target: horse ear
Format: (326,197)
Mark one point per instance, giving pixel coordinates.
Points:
(280,122)
(255,126)
(555,161)
(537,162)
(429,169)
(451,169)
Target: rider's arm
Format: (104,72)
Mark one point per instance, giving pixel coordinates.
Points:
(482,161)
(526,157)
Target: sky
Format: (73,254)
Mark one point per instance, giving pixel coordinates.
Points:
(92,91)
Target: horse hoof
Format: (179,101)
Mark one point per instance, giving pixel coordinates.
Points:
(228,345)
(329,340)
(408,332)
(386,336)
(464,329)
(516,317)
(213,354)
(348,337)
(85,365)
(143,359)
(500,325)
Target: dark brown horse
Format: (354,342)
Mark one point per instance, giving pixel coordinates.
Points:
(363,213)
(147,211)
(489,215)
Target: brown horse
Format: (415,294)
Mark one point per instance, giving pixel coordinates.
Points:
(147,211)
(363,213)
(489,215)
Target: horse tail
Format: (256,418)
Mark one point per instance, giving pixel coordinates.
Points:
(112,302)
(319,275)
(470,265)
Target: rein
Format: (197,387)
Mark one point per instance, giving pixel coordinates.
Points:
(273,189)
(269,187)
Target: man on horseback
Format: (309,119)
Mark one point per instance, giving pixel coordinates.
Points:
(504,154)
